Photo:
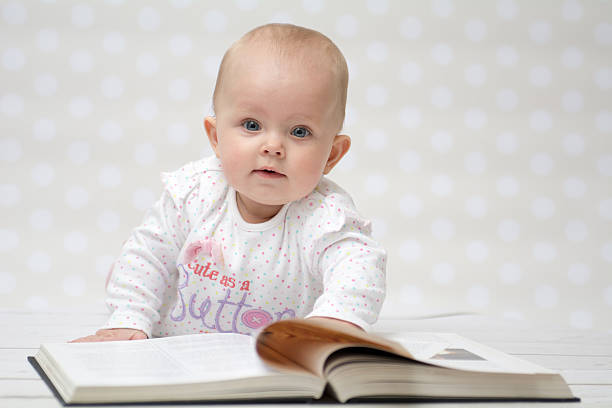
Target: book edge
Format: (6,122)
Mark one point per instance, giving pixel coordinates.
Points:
(39,370)
(45,378)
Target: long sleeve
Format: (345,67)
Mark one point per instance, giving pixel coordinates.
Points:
(144,270)
(353,270)
(348,261)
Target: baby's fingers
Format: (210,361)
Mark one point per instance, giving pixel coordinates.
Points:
(112,335)
(137,335)
(88,339)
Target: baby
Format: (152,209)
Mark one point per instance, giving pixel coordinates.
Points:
(255,233)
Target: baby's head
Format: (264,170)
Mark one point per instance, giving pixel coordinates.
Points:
(290,47)
(279,105)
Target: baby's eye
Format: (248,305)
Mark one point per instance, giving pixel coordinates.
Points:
(251,125)
(300,132)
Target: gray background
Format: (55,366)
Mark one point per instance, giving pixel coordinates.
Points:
(481,142)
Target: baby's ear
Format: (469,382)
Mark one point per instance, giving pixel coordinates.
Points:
(340,146)
(210,125)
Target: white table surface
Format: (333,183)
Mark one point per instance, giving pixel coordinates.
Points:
(584,357)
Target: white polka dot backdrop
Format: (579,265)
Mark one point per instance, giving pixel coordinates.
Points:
(481,142)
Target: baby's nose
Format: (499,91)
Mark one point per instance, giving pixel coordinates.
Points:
(273,146)
(274,150)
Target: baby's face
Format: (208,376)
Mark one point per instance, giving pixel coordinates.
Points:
(275,128)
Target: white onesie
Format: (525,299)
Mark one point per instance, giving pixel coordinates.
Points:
(195,266)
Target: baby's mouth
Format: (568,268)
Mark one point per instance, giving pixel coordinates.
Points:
(268,173)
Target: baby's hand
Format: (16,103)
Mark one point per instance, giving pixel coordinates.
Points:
(112,335)
(339,322)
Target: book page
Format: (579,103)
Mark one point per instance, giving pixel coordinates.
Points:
(170,360)
(454,351)
(220,357)
(421,345)
(309,342)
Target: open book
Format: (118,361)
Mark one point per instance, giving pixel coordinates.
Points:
(292,360)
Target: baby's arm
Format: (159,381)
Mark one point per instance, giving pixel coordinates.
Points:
(142,273)
(351,266)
